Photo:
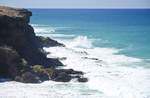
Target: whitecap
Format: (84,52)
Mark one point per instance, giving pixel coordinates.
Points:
(80,42)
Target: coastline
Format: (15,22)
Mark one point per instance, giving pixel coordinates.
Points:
(110,73)
(22,56)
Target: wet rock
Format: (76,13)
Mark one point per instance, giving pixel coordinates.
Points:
(77,72)
(62,58)
(96,59)
(76,76)
(69,71)
(82,52)
(63,77)
(82,80)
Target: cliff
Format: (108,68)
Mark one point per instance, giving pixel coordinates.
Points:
(21,50)
(18,34)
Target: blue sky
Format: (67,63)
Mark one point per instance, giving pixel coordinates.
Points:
(76,3)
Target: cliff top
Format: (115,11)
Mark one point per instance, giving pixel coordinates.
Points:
(14,12)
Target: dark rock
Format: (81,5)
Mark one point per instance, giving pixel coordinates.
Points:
(48,42)
(82,79)
(63,77)
(10,62)
(96,59)
(16,32)
(21,55)
(69,71)
(46,53)
(54,62)
(41,72)
(18,79)
(77,72)
(62,58)
(76,76)
(35,74)
(82,52)
(29,77)
(53,73)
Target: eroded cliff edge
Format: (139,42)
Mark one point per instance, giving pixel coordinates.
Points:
(21,54)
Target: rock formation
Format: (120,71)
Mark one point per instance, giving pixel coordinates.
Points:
(47,42)
(21,50)
(18,34)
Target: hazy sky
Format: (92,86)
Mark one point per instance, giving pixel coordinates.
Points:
(77,3)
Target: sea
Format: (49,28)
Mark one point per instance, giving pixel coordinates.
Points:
(111,46)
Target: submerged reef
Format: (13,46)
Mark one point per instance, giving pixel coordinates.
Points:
(22,57)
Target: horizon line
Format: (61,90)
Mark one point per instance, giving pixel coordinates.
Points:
(87,8)
(77,8)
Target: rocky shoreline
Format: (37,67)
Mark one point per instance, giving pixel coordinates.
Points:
(22,57)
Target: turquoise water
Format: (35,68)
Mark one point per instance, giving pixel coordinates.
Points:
(128,30)
(110,46)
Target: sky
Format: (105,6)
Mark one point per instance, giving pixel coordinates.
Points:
(76,3)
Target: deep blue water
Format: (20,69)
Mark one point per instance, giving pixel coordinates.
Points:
(126,29)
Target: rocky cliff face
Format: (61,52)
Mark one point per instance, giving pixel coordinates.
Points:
(20,50)
(15,32)
(19,36)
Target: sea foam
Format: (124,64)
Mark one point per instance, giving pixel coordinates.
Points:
(110,74)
